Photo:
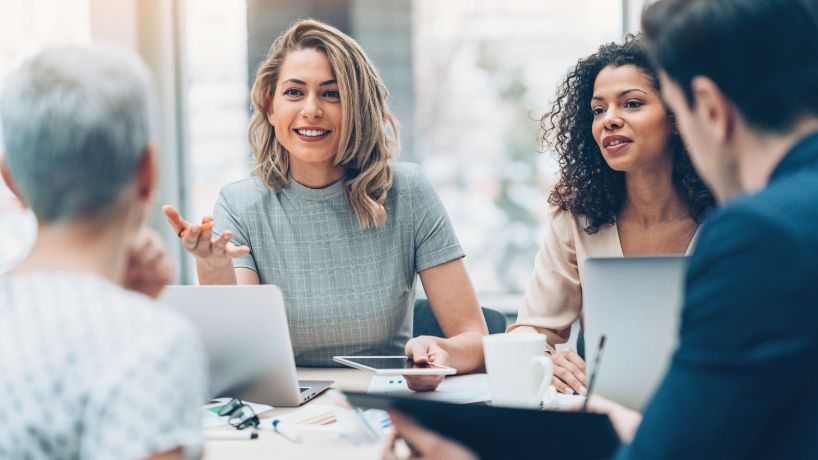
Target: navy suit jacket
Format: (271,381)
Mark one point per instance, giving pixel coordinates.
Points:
(743,382)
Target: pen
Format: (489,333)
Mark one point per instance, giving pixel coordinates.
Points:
(593,373)
(229,435)
(287,431)
(206,226)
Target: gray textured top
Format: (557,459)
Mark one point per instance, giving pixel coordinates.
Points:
(347,291)
(89,370)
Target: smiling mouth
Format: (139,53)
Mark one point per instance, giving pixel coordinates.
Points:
(312,132)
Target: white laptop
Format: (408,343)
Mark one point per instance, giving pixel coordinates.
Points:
(636,303)
(245,333)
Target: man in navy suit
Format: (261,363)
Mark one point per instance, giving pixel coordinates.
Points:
(741,77)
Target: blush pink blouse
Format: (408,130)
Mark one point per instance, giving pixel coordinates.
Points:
(553,299)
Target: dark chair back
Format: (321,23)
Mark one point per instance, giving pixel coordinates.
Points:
(425,322)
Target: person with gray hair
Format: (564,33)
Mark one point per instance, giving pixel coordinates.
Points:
(93,367)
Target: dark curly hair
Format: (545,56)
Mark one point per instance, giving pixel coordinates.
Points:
(587,185)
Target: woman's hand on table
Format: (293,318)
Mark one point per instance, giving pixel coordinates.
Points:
(198,239)
(569,372)
(424,349)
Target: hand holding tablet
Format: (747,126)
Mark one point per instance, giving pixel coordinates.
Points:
(393,365)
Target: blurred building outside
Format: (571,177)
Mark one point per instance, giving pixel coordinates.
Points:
(469,80)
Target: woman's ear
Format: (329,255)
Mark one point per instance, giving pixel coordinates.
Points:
(269,103)
(674,128)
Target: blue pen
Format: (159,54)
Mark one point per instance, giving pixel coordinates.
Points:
(287,431)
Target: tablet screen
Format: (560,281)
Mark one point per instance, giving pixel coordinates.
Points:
(389,362)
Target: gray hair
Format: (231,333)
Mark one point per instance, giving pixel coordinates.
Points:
(76,122)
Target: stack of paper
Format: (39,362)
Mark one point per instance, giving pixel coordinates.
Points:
(561,401)
(462,389)
(309,414)
(465,389)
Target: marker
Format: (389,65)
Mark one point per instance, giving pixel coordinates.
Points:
(206,226)
(286,430)
(229,435)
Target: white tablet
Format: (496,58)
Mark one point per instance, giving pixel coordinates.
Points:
(393,365)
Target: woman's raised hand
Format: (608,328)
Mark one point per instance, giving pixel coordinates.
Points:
(198,239)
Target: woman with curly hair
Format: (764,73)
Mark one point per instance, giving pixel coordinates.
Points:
(626,188)
(330,221)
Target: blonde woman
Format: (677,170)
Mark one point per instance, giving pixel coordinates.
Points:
(330,221)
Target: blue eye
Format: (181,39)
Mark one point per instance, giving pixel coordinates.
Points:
(293,92)
(333,93)
(633,104)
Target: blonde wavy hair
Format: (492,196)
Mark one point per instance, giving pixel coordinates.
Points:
(369,132)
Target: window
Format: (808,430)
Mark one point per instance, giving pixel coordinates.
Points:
(218,99)
(485,72)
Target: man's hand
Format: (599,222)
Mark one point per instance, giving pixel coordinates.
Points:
(149,268)
(423,444)
(624,420)
(421,350)
(569,372)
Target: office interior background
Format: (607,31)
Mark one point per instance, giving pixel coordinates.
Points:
(469,80)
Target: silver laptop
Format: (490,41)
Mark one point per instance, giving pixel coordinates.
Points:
(636,302)
(245,333)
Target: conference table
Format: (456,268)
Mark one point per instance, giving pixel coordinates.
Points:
(315,445)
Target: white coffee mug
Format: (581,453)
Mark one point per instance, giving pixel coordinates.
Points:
(519,372)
